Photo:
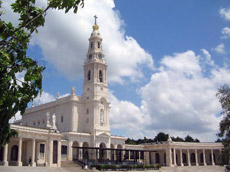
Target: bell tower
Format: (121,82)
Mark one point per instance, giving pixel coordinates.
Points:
(95,88)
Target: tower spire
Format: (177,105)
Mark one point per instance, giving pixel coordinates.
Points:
(95,19)
(95,26)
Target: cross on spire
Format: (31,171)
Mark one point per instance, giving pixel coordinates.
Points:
(95,19)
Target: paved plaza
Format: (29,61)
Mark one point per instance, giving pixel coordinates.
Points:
(78,169)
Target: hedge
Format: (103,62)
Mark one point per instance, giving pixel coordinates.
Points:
(103,167)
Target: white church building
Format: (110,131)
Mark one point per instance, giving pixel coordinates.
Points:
(77,128)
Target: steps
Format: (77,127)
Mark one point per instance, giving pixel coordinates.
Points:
(70,164)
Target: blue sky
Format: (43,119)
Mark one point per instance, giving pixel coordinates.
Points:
(166,60)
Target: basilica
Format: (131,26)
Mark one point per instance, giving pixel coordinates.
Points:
(77,128)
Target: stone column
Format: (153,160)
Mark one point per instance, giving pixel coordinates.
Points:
(181,158)
(33,154)
(129,155)
(168,157)
(70,151)
(174,156)
(5,161)
(80,151)
(196,158)
(20,151)
(204,158)
(49,152)
(212,158)
(59,154)
(139,156)
(188,159)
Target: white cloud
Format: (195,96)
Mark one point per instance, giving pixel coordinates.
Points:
(225,13)
(180,99)
(64,42)
(15,118)
(226,33)
(45,97)
(128,117)
(220,49)
(207,55)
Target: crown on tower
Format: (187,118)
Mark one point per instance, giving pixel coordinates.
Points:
(95,26)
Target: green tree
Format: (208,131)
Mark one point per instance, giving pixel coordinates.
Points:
(190,139)
(14,40)
(224,98)
(177,139)
(161,137)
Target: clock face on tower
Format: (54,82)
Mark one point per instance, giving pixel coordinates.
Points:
(90,57)
(99,56)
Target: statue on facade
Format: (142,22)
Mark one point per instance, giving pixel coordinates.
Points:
(73,91)
(48,120)
(54,122)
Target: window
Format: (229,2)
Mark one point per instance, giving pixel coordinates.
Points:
(88,75)
(62,119)
(42,150)
(91,45)
(63,151)
(98,44)
(34,123)
(87,111)
(38,122)
(100,76)
(102,116)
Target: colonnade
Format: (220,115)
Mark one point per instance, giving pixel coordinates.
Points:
(15,154)
(189,157)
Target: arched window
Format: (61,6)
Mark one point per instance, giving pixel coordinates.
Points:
(98,45)
(101,115)
(157,158)
(14,153)
(88,75)
(91,45)
(100,76)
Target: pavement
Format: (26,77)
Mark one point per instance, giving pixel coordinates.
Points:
(74,169)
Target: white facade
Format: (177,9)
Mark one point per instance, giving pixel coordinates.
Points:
(49,132)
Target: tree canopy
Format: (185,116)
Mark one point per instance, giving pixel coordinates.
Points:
(160,137)
(16,93)
(224,98)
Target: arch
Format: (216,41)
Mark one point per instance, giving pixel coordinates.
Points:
(118,152)
(14,153)
(102,152)
(100,76)
(112,151)
(85,144)
(184,157)
(192,158)
(103,100)
(85,152)
(119,146)
(89,75)
(75,153)
(201,158)
(157,158)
